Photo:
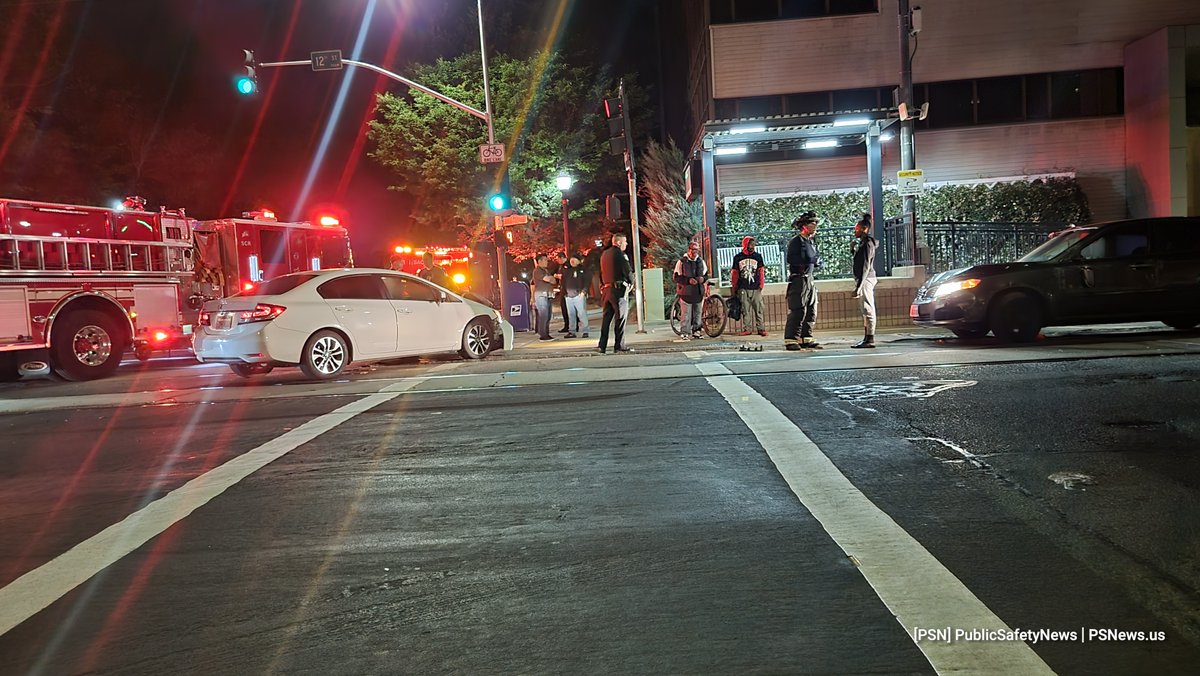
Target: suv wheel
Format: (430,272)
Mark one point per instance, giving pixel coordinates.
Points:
(1182,323)
(1016,317)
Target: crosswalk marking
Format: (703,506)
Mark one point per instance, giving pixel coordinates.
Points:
(914,585)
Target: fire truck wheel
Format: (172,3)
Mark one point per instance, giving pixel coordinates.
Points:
(85,345)
(247,370)
(325,355)
(477,339)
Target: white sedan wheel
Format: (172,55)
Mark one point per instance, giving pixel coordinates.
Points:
(477,339)
(325,355)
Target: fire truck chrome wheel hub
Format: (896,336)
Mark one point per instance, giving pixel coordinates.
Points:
(93,345)
(327,355)
(477,340)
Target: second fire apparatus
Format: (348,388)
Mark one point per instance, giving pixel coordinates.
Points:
(81,285)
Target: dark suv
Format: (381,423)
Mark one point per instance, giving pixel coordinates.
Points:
(1124,271)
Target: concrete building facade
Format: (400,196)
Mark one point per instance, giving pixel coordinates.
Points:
(1105,90)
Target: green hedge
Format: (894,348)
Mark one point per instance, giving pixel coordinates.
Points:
(1052,200)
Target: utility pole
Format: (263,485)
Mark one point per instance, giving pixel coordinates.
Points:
(631,173)
(908,158)
(497,220)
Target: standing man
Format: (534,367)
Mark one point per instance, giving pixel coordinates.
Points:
(574,285)
(616,279)
(560,262)
(748,278)
(433,273)
(691,273)
(803,261)
(863,248)
(543,289)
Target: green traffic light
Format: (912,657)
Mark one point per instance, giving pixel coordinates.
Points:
(498,202)
(246,85)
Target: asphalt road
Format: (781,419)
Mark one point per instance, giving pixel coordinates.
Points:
(707,511)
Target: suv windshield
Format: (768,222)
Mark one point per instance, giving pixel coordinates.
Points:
(1051,248)
(277,286)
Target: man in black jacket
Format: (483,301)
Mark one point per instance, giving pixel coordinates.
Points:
(803,261)
(863,248)
(616,279)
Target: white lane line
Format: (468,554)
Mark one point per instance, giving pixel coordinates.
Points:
(34,591)
(914,585)
(695,354)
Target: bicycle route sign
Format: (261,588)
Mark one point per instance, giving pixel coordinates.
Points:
(491,153)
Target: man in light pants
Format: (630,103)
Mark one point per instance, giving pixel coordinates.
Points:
(863,247)
(574,285)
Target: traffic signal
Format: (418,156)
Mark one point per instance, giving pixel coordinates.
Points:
(615,112)
(499,202)
(612,208)
(503,238)
(248,84)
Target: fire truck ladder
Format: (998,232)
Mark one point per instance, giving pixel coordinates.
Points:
(70,256)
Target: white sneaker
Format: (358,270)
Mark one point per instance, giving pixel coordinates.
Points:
(685,337)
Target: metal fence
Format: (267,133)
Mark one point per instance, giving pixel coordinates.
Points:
(958,245)
(951,245)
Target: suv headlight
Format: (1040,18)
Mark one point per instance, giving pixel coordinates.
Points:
(954,287)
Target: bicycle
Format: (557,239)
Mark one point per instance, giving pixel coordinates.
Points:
(714,315)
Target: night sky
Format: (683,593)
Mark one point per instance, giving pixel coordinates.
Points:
(175,61)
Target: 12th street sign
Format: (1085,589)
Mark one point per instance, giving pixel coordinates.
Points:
(330,59)
(491,153)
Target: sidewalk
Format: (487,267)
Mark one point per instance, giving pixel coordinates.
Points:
(660,338)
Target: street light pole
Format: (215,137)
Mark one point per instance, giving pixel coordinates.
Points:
(566,231)
(564,182)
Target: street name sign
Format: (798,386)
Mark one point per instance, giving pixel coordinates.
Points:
(329,59)
(515,219)
(491,153)
(910,182)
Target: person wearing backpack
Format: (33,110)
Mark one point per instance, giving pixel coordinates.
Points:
(748,277)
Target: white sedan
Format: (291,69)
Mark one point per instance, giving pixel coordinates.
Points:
(326,319)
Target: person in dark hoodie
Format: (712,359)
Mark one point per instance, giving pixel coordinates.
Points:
(803,262)
(863,248)
(748,277)
(691,273)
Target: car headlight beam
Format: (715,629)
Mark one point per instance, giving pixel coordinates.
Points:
(954,287)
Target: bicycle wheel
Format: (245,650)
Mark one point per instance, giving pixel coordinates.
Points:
(713,316)
(675,319)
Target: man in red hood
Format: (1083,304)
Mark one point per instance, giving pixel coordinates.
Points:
(748,279)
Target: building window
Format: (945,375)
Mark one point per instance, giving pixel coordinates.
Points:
(734,11)
(1037,97)
(855,99)
(998,100)
(802,9)
(799,104)
(760,106)
(755,10)
(951,104)
(959,103)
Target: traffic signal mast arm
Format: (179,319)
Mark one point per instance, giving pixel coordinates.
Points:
(387,73)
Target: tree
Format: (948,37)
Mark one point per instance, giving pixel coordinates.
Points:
(546,113)
(670,221)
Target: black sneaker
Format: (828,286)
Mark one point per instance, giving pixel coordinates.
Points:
(586,336)
(601,350)
(564,330)
(545,337)
(864,344)
(792,347)
(570,335)
(623,349)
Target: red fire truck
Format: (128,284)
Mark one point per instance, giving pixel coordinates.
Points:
(79,286)
(454,260)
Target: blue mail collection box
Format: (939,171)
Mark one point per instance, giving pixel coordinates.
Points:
(516,301)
